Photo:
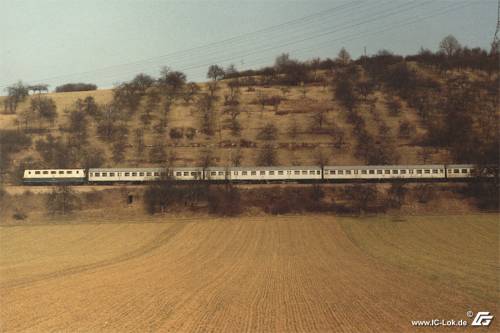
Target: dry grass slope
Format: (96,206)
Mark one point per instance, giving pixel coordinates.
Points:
(295,107)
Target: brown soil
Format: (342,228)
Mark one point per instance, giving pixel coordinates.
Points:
(265,274)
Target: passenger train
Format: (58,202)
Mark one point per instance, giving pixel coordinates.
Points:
(252,174)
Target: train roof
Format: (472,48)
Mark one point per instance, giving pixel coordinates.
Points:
(52,169)
(125,169)
(395,166)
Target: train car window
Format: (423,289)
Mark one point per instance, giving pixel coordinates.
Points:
(387,172)
(69,172)
(410,171)
(271,173)
(235,173)
(363,172)
(253,173)
(427,171)
(318,172)
(355,172)
(379,172)
(111,174)
(419,171)
(37,172)
(403,172)
(280,172)
(127,174)
(221,173)
(186,173)
(262,172)
(141,174)
(341,172)
(193,173)
(464,170)
(472,170)
(213,173)
(148,173)
(435,170)
(244,173)
(45,172)
(395,172)
(178,173)
(97,174)
(304,172)
(52,172)
(456,171)
(61,172)
(371,172)
(348,172)
(104,174)
(134,174)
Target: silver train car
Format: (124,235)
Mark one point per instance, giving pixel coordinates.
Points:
(253,174)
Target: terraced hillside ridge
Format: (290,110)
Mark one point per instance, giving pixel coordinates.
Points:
(285,274)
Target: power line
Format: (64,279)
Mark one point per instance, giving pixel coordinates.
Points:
(495,43)
(302,38)
(373,17)
(304,19)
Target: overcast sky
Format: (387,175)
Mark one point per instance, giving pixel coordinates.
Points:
(106,42)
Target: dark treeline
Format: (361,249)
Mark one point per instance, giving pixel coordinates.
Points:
(231,200)
(76,87)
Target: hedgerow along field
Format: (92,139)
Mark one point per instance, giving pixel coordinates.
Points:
(290,273)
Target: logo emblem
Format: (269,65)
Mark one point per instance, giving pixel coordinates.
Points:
(483,318)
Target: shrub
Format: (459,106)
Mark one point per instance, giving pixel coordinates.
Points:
(176,133)
(76,87)
(19,214)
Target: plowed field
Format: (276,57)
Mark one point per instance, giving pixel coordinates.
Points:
(268,274)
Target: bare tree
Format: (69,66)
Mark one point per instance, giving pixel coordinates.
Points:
(268,132)
(321,158)
(267,156)
(343,57)
(318,120)
(139,143)
(394,106)
(191,90)
(45,109)
(236,157)
(171,82)
(205,106)
(158,153)
(215,72)
(450,46)
(118,150)
(16,93)
(293,129)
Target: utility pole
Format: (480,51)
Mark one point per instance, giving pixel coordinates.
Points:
(495,44)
